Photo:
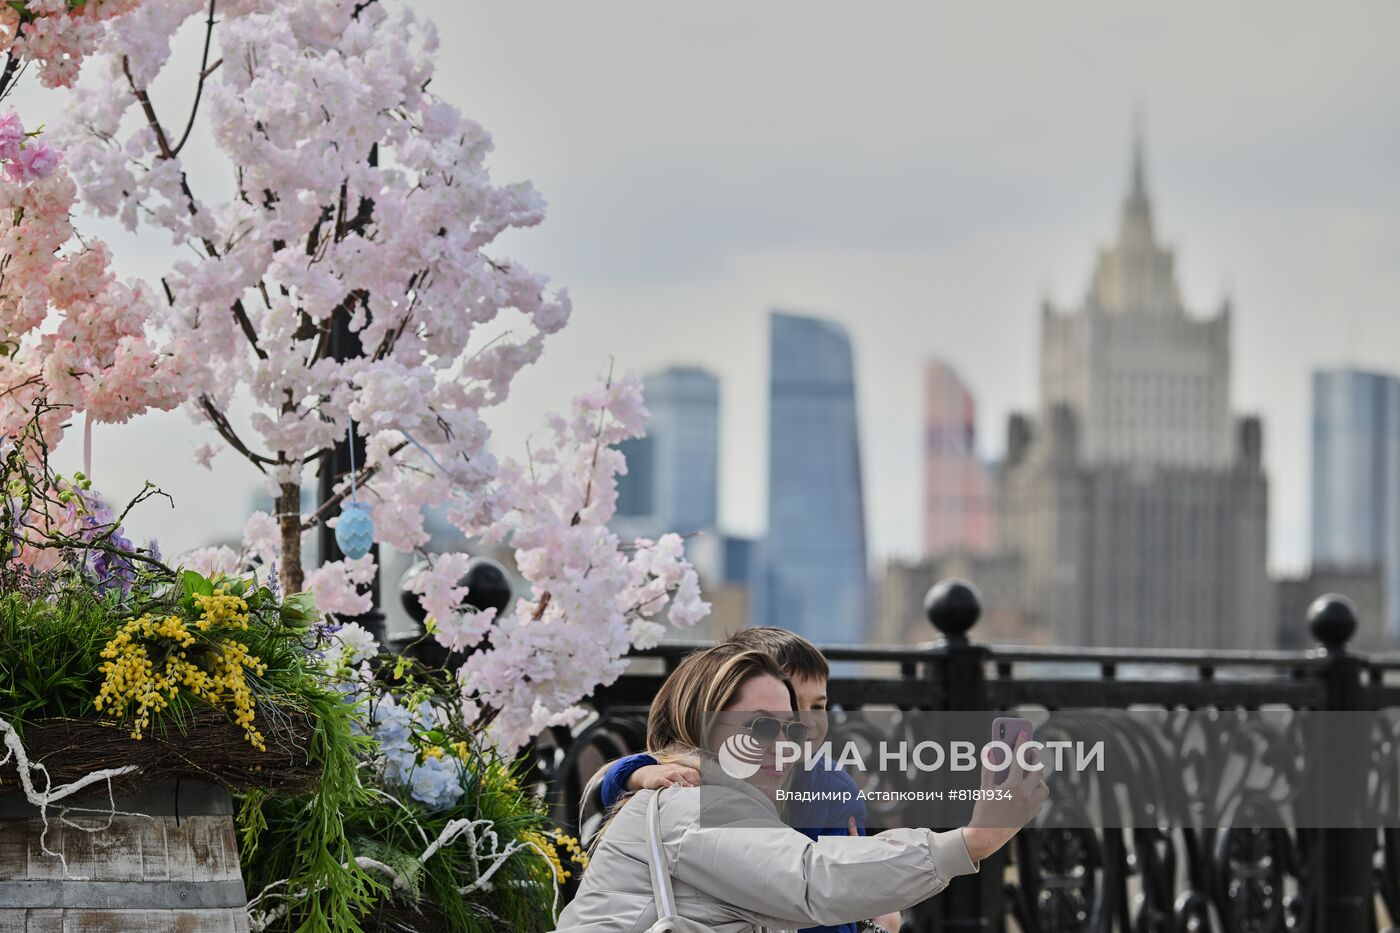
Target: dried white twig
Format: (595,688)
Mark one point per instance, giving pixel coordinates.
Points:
(14,749)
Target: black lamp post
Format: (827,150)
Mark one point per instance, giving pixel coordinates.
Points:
(345,344)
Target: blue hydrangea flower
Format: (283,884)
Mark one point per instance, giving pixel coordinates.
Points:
(437,782)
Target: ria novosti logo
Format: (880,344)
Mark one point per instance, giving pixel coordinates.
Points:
(741,755)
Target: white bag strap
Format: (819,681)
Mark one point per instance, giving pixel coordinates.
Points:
(660,873)
(656,856)
(586,810)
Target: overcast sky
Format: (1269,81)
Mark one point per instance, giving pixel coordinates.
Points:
(927,176)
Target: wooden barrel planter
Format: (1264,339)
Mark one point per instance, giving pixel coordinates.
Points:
(167,862)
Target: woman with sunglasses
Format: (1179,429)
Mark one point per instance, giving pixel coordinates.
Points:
(718,858)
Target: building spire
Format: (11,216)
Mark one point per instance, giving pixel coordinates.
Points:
(1139,184)
(1136,224)
(1134,275)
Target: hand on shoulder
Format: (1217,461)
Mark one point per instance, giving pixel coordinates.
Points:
(655,777)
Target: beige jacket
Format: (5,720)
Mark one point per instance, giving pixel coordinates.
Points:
(738,868)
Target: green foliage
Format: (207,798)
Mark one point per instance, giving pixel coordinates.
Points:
(395,834)
(302,842)
(390,831)
(49,667)
(71,582)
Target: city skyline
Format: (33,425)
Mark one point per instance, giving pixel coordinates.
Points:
(927,190)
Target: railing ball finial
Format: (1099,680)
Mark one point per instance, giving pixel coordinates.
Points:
(488,585)
(409,599)
(953,606)
(1332,620)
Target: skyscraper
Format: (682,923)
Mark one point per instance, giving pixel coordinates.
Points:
(1356,477)
(636,489)
(811,574)
(1137,501)
(672,483)
(957,486)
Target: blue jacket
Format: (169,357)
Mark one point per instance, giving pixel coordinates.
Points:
(819,817)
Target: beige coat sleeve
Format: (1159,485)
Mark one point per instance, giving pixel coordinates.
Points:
(739,853)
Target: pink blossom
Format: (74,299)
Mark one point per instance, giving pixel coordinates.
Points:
(33,162)
(58,38)
(9,26)
(96,354)
(11,136)
(340,586)
(260,537)
(210,561)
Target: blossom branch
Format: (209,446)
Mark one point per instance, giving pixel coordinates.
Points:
(362,477)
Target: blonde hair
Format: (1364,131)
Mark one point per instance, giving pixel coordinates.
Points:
(705,683)
(684,708)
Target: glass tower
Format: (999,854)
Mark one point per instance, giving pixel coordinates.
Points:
(672,481)
(812,568)
(1356,477)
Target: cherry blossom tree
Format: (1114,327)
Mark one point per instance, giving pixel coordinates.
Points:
(360,198)
(357,195)
(70,333)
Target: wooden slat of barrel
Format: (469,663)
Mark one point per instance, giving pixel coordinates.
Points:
(173,869)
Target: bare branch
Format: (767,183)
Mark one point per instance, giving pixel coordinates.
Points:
(149,109)
(10,73)
(226,431)
(204,72)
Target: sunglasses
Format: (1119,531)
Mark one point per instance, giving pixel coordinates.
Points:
(766,729)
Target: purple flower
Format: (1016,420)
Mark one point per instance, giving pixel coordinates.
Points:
(111,571)
(327,627)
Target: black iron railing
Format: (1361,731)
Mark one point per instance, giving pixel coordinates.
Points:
(1230,877)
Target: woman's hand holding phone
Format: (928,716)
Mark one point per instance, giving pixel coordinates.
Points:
(1006,804)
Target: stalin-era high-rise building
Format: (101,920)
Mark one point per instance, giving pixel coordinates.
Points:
(1136,500)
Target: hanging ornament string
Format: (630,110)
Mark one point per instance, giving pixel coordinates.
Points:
(426,452)
(350,443)
(354,529)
